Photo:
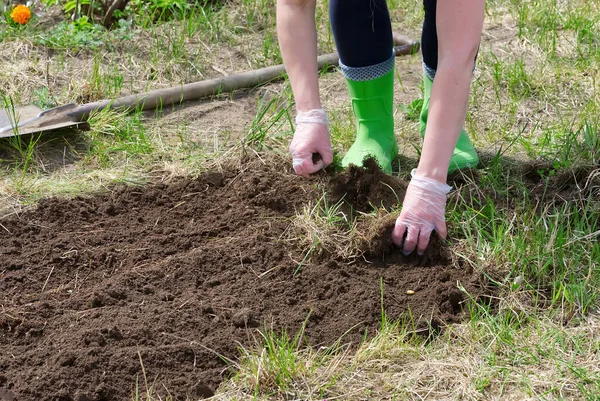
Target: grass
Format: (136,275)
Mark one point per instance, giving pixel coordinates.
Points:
(323,228)
(279,362)
(528,217)
(114,134)
(545,245)
(271,124)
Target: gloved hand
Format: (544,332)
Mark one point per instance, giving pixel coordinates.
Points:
(423,211)
(311,137)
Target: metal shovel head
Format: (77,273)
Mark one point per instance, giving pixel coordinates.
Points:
(31,119)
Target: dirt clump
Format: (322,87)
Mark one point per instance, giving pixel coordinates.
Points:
(375,239)
(366,188)
(176,275)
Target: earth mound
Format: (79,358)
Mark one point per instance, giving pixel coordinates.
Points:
(174,276)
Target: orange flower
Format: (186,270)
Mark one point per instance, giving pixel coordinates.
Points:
(21,14)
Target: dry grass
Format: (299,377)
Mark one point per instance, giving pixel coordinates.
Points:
(479,360)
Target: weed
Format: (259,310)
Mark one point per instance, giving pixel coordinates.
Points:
(44,98)
(148,393)
(116,133)
(102,85)
(412,111)
(268,122)
(80,34)
(322,227)
(279,361)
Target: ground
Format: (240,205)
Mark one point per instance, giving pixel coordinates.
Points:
(173,254)
(178,275)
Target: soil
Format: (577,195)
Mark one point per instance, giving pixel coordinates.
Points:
(171,278)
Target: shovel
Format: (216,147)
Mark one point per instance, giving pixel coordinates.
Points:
(31,119)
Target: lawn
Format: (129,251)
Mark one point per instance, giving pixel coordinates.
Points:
(171,254)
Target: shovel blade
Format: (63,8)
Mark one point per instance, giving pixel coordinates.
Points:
(31,119)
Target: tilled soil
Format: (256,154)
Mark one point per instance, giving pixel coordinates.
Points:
(170,276)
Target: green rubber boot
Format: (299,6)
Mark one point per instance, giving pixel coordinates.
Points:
(372,102)
(464,155)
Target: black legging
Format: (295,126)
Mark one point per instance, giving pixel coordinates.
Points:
(429,41)
(363,32)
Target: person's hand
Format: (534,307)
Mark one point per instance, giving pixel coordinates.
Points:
(423,211)
(311,146)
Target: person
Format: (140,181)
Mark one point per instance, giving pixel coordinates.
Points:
(363,37)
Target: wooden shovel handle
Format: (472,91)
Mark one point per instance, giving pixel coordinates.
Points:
(168,97)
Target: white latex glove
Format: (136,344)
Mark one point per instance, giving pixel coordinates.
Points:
(311,138)
(423,211)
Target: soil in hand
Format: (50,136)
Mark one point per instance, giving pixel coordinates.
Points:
(174,276)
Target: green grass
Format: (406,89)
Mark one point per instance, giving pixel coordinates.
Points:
(528,217)
(279,362)
(547,245)
(115,135)
(272,126)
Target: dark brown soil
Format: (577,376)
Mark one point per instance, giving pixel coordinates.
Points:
(366,188)
(172,275)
